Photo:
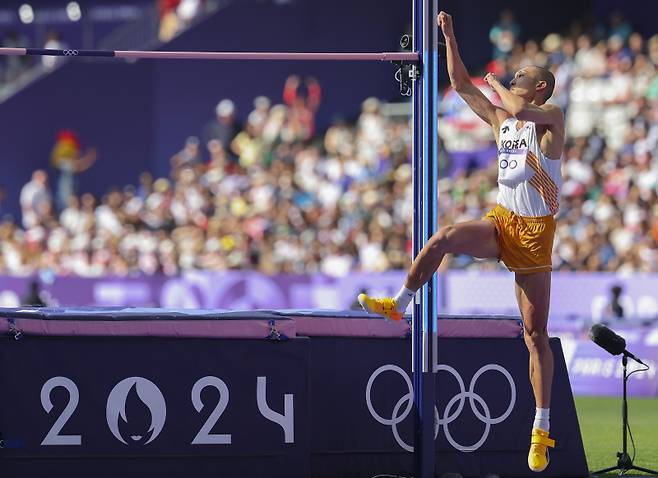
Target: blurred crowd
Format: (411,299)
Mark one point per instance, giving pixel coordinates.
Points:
(275,195)
(270,194)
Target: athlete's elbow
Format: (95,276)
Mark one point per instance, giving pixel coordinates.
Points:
(458,85)
(460,82)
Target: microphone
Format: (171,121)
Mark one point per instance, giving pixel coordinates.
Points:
(611,342)
(607,339)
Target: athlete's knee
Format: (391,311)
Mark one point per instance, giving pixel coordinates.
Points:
(536,338)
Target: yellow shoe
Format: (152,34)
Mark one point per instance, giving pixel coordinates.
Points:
(384,306)
(538,455)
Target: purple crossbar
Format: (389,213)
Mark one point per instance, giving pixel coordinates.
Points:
(217,55)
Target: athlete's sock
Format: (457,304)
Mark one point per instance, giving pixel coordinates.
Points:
(403,298)
(542,417)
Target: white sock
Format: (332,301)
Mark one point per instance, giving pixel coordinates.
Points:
(403,298)
(542,417)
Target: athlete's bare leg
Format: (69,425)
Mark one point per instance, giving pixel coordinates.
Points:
(533,295)
(475,238)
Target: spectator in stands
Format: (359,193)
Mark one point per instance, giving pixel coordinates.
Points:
(190,155)
(176,15)
(188,10)
(615,310)
(619,26)
(169,22)
(53,42)
(14,66)
(504,34)
(145,185)
(36,200)
(67,157)
(300,125)
(33,297)
(225,127)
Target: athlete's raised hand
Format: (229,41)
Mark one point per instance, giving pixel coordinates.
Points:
(445,23)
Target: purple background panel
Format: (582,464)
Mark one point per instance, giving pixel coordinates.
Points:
(574,295)
(593,371)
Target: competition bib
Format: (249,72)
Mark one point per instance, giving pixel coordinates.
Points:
(512,162)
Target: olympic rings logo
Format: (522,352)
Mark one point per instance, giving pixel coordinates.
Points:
(70,52)
(504,164)
(451,413)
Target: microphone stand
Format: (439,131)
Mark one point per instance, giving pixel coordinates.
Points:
(625,462)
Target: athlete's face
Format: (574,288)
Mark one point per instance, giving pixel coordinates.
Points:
(524,83)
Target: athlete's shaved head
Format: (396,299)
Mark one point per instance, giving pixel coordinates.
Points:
(544,74)
(534,83)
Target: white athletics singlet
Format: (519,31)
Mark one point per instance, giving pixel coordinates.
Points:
(529,183)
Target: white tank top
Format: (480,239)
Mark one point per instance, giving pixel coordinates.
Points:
(529,183)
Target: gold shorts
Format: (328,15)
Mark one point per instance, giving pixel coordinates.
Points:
(526,243)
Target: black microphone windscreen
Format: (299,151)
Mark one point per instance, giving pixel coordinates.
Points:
(607,339)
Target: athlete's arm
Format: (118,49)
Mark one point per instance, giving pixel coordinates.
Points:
(461,82)
(522,110)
